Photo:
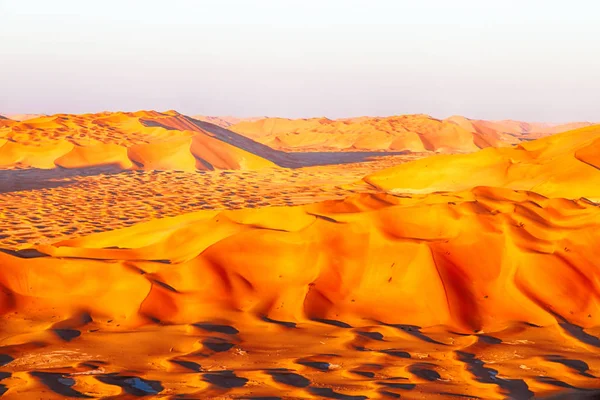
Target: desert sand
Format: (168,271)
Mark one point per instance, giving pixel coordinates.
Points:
(225,121)
(160,255)
(563,165)
(20,117)
(416,133)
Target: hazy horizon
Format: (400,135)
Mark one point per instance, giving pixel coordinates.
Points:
(531,61)
(8,114)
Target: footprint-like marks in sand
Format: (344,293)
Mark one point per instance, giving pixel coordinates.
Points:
(58,383)
(515,388)
(224,379)
(132,384)
(217,328)
(287,377)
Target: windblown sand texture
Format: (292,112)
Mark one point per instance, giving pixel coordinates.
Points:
(416,133)
(562,165)
(141,140)
(177,259)
(20,117)
(227,121)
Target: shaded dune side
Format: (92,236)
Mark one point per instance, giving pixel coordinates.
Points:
(20,117)
(145,140)
(590,154)
(12,153)
(526,129)
(141,140)
(225,121)
(513,132)
(414,260)
(563,165)
(95,155)
(217,146)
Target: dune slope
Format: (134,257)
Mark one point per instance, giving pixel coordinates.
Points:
(140,140)
(562,165)
(415,133)
(486,292)
(311,262)
(408,132)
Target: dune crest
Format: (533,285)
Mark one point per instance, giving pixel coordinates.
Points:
(20,117)
(285,280)
(310,262)
(562,165)
(224,121)
(140,140)
(415,133)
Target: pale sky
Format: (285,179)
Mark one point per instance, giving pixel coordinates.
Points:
(535,60)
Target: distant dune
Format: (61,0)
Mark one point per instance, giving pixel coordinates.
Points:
(225,122)
(415,133)
(172,141)
(453,276)
(375,256)
(140,140)
(529,130)
(21,117)
(562,165)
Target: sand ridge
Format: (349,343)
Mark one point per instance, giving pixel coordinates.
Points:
(405,251)
(225,121)
(140,140)
(464,276)
(404,132)
(20,117)
(45,205)
(562,165)
(409,315)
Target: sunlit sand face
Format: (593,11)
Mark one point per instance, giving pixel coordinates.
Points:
(153,254)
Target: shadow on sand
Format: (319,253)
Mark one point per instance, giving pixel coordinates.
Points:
(13,180)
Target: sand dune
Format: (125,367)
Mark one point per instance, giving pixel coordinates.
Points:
(519,129)
(372,296)
(21,117)
(393,133)
(453,276)
(225,122)
(44,206)
(95,155)
(562,165)
(154,140)
(419,263)
(141,140)
(145,140)
(406,132)
(14,153)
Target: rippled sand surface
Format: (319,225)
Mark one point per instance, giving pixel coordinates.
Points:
(373,277)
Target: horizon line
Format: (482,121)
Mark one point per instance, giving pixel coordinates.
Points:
(6,115)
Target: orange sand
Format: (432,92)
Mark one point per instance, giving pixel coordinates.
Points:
(44,206)
(406,132)
(194,296)
(518,129)
(241,260)
(562,165)
(141,140)
(452,276)
(21,117)
(225,122)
